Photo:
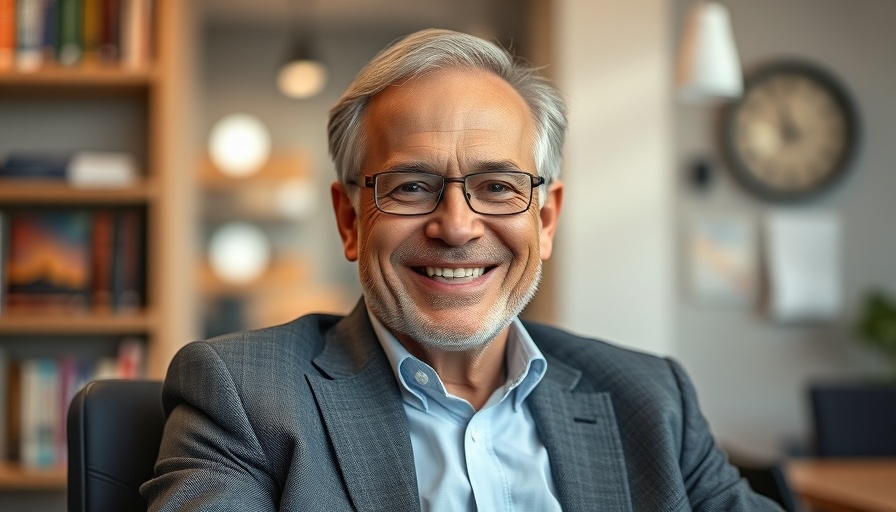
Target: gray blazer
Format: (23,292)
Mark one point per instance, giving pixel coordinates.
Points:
(308,416)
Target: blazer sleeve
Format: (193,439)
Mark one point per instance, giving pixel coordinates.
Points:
(210,457)
(712,484)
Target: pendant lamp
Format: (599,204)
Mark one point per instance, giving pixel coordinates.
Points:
(708,68)
(302,75)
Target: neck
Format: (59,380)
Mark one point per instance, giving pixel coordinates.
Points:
(472,375)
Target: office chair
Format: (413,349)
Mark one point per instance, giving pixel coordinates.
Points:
(767,479)
(114,432)
(854,420)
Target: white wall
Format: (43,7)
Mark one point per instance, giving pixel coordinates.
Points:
(615,260)
(621,258)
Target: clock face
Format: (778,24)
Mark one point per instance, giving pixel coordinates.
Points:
(792,135)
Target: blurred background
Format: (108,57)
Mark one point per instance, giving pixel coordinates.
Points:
(666,244)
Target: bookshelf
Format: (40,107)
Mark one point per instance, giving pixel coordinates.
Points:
(156,127)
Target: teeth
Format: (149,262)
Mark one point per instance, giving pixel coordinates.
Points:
(454,272)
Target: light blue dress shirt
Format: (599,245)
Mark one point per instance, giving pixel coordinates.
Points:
(489,460)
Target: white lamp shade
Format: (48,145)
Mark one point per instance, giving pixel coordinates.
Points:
(239,145)
(708,65)
(302,78)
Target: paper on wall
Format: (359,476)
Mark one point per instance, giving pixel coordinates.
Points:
(803,255)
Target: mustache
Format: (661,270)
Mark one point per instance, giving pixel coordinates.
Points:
(430,250)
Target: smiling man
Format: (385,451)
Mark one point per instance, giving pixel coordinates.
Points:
(432,394)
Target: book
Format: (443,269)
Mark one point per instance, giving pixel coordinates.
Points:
(3,402)
(94,169)
(102,254)
(29,35)
(37,165)
(68,51)
(48,266)
(128,275)
(40,418)
(50,29)
(92,31)
(7,34)
(4,256)
(13,409)
(135,32)
(110,32)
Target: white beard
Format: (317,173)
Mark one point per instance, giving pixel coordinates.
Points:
(402,315)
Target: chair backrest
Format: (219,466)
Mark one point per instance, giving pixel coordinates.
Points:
(771,482)
(114,432)
(854,420)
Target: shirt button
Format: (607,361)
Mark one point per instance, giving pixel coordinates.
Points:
(474,435)
(421,377)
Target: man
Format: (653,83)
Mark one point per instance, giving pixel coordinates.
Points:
(431,394)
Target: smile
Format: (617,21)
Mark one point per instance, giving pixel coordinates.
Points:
(454,273)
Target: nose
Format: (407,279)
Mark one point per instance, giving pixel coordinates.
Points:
(453,221)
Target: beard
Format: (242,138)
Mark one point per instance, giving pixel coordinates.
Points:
(400,313)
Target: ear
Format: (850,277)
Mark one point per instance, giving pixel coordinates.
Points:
(548,217)
(346,220)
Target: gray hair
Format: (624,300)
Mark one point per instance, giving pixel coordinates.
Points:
(430,50)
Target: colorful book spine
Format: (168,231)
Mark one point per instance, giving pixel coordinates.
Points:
(50,29)
(93,26)
(40,415)
(110,42)
(7,34)
(102,256)
(29,34)
(70,18)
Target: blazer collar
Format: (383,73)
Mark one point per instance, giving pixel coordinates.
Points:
(581,435)
(362,410)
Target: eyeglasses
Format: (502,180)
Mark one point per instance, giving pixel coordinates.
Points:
(419,193)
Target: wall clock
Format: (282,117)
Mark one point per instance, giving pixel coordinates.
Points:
(793,134)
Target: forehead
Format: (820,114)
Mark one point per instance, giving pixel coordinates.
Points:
(450,116)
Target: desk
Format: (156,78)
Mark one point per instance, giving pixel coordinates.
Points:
(845,485)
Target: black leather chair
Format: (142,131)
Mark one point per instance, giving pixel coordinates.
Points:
(854,420)
(114,432)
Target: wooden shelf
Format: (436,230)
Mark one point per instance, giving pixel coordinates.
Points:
(15,477)
(16,191)
(136,323)
(91,77)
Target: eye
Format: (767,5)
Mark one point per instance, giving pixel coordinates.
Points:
(410,188)
(497,188)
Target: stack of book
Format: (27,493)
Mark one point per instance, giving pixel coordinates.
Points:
(81,169)
(38,33)
(35,394)
(71,261)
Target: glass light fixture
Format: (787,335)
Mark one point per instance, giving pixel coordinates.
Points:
(708,66)
(239,145)
(239,253)
(302,75)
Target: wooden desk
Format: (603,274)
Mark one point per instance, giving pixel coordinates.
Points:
(845,485)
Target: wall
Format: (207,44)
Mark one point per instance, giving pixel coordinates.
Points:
(621,262)
(752,374)
(614,261)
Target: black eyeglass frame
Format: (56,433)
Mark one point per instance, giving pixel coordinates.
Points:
(370,182)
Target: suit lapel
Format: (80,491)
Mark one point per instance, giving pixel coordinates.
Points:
(361,407)
(580,433)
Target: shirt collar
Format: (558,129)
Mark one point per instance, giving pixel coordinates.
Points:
(525,367)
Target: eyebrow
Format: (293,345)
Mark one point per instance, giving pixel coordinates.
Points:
(485,166)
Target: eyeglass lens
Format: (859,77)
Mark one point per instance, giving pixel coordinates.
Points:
(415,193)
